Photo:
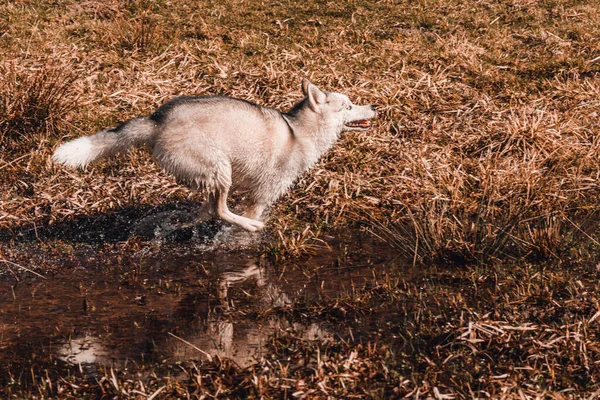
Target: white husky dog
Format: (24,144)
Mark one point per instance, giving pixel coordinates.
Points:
(220,143)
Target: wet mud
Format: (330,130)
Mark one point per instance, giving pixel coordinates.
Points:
(171,222)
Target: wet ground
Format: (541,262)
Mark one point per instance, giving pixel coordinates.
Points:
(131,304)
(178,295)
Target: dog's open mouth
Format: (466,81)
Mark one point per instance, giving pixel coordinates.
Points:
(359,124)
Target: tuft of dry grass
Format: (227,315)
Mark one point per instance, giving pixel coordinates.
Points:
(35,98)
(527,189)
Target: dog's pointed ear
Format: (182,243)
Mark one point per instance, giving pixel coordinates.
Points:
(305,84)
(313,93)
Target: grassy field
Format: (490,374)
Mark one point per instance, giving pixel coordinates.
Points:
(483,171)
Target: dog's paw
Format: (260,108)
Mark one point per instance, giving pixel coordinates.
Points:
(252,225)
(248,224)
(259,225)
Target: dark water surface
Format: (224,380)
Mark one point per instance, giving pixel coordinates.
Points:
(170,302)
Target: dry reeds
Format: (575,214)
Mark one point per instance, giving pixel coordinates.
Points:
(35,98)
(523,190)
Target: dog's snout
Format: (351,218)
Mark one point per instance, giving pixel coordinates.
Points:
(374,109)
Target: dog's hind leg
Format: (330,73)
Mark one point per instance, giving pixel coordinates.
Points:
(208,209)
(226,215)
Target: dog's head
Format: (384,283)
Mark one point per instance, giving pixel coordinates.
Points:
(337,108)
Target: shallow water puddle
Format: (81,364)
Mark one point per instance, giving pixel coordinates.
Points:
(176,302)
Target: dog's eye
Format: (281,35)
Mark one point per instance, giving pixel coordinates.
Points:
(349,107)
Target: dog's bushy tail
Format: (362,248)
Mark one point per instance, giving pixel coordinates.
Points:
(82,151)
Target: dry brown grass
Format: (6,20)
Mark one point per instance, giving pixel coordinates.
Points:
(487,147)
(486,143)
(35,99)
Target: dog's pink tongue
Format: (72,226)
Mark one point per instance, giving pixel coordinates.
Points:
(363,123)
